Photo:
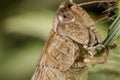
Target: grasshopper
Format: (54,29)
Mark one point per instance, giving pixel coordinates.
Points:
(72,44)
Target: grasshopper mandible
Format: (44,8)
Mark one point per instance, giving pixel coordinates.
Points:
(72,43)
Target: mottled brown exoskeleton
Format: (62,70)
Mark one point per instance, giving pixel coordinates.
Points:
(72,43)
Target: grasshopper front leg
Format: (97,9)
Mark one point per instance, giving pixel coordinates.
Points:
(101,59)
(97,60)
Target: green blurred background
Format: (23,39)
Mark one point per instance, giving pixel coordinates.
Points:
(24,28)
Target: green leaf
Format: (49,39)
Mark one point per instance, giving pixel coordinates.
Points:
(113,33)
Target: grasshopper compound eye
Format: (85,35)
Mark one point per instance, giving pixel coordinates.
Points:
(65,16)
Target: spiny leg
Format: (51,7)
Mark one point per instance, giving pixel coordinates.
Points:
(101,17)
(96,1)
(105,14)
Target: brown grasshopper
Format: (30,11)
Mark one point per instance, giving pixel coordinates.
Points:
(73,42)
